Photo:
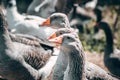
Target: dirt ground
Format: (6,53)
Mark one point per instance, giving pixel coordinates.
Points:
(96,59)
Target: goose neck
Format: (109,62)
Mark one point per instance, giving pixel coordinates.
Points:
(3,24)
(4,35)
(12,10)
(109,37)
(75,68)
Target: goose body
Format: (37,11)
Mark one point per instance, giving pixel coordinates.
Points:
(7,60)
(111,55)
(22,57)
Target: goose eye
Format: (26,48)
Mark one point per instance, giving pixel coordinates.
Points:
(55,17)
(60,33)
(68,37)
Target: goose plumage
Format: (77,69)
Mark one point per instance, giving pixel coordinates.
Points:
(7,60)
(92,72)
(73,71)
(111,54)
(22,57)
(26,24)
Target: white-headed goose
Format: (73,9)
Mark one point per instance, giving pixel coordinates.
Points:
(57,20)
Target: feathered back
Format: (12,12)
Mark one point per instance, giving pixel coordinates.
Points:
(2,19)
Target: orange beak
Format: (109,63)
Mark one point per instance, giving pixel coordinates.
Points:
(47,22)
(56,40)
(53,36)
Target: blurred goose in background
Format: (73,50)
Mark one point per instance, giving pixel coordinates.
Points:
(44,9)
(65,6)
(26,24)
(32,6)
(71,65)
(111,54)
(12,13)
(91,4)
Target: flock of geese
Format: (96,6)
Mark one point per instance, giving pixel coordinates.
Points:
(35,48)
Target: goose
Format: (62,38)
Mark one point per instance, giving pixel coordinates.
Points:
(31,7)
(111,54)
(56,21)
(12,13)
(22,57)
(68,45)
(65,6)
(72,55)
(46,60)
(30,40)
(91,4)
(42,8)
(26,24)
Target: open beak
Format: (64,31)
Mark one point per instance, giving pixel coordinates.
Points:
(53,36)
(56,40)
(46,23)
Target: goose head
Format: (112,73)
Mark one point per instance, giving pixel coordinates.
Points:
(64,39)
(57,20)
(104,26)
(59,32)
(62,31)
(11,3)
